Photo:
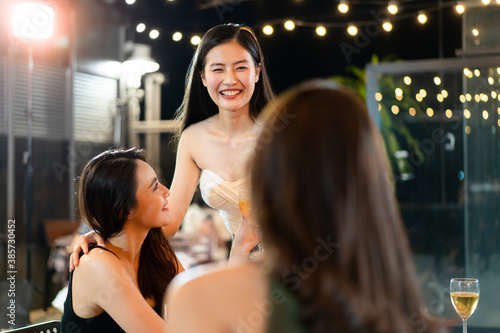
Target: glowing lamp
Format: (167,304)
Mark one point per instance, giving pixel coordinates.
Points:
(33,21)
(141,62)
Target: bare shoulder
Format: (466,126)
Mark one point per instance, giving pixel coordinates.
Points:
(199,129)
(99,262)
(219,275)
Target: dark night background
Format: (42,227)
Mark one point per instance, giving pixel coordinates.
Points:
(293,56)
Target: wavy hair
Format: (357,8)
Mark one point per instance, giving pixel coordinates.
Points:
(107,193)
(322,195)
(197,104)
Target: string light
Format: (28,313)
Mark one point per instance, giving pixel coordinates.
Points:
(153,34)
(177,36)
(412,112)
(268,30)
(343,7)
(466,113)
(378,96)
(289,25)
(392,7)
(437,81)
(430,112)
(449,113)
(485,114)
(195,40)
(467,129)
(423,93)
(490,80)
(387,26)
(422,18)
(460,8)
(444,93)
(321,30)
(475,32)
(477,72)
(395,109)
(462,98)
(407,80)
(352,30)
(141,27)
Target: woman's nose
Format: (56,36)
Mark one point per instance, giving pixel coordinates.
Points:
(230,77)
(166,191)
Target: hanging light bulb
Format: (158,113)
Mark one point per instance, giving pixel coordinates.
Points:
(392,7)
(343,6)
(475,32)
(321,30)
(289,25)
(195,40)
(352,30)
(140,27)
(387,26)
(422,18)
(460,8)
(153,34)
(268,30)
(486,2)
(177,36)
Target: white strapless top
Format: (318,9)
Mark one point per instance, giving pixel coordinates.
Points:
(223,195)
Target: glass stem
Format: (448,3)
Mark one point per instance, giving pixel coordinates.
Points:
(465,325)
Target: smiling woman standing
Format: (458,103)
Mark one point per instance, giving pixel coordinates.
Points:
(226,88)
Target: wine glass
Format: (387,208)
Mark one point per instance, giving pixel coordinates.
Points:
(246,207)
(464,295)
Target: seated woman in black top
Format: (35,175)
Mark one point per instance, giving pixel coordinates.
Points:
(121,288)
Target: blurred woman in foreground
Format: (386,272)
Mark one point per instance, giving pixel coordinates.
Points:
(338,258)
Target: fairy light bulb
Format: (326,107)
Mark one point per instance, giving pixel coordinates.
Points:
(387,26)
(352,30)
(321,30)
(268,30)
(343,7)
(392,7)
(289,25)
(422,18)
(460,8)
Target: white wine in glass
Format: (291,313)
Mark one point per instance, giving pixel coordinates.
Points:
(464,295)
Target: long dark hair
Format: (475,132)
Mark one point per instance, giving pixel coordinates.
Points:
(107,190)
(197,104)
(322,194)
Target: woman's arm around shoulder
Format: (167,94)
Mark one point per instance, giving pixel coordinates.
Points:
(101,282)
(212,299)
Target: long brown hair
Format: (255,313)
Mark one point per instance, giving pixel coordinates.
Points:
(322,195)
(197,104)
(107,193)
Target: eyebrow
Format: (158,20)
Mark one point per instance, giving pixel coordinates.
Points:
(153,182)
(235,63)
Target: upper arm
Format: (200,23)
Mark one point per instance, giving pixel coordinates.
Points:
(108,286)
(184,182)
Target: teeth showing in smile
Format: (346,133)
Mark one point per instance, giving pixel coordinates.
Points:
(230,92)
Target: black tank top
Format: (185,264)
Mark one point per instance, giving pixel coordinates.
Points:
(71,323)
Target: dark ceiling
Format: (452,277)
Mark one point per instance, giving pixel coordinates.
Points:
(294,56)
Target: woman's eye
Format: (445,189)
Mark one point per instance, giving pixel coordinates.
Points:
(241,68)
(216,70)
(156,187)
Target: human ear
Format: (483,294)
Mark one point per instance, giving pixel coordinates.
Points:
(257,72)
(202,75)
